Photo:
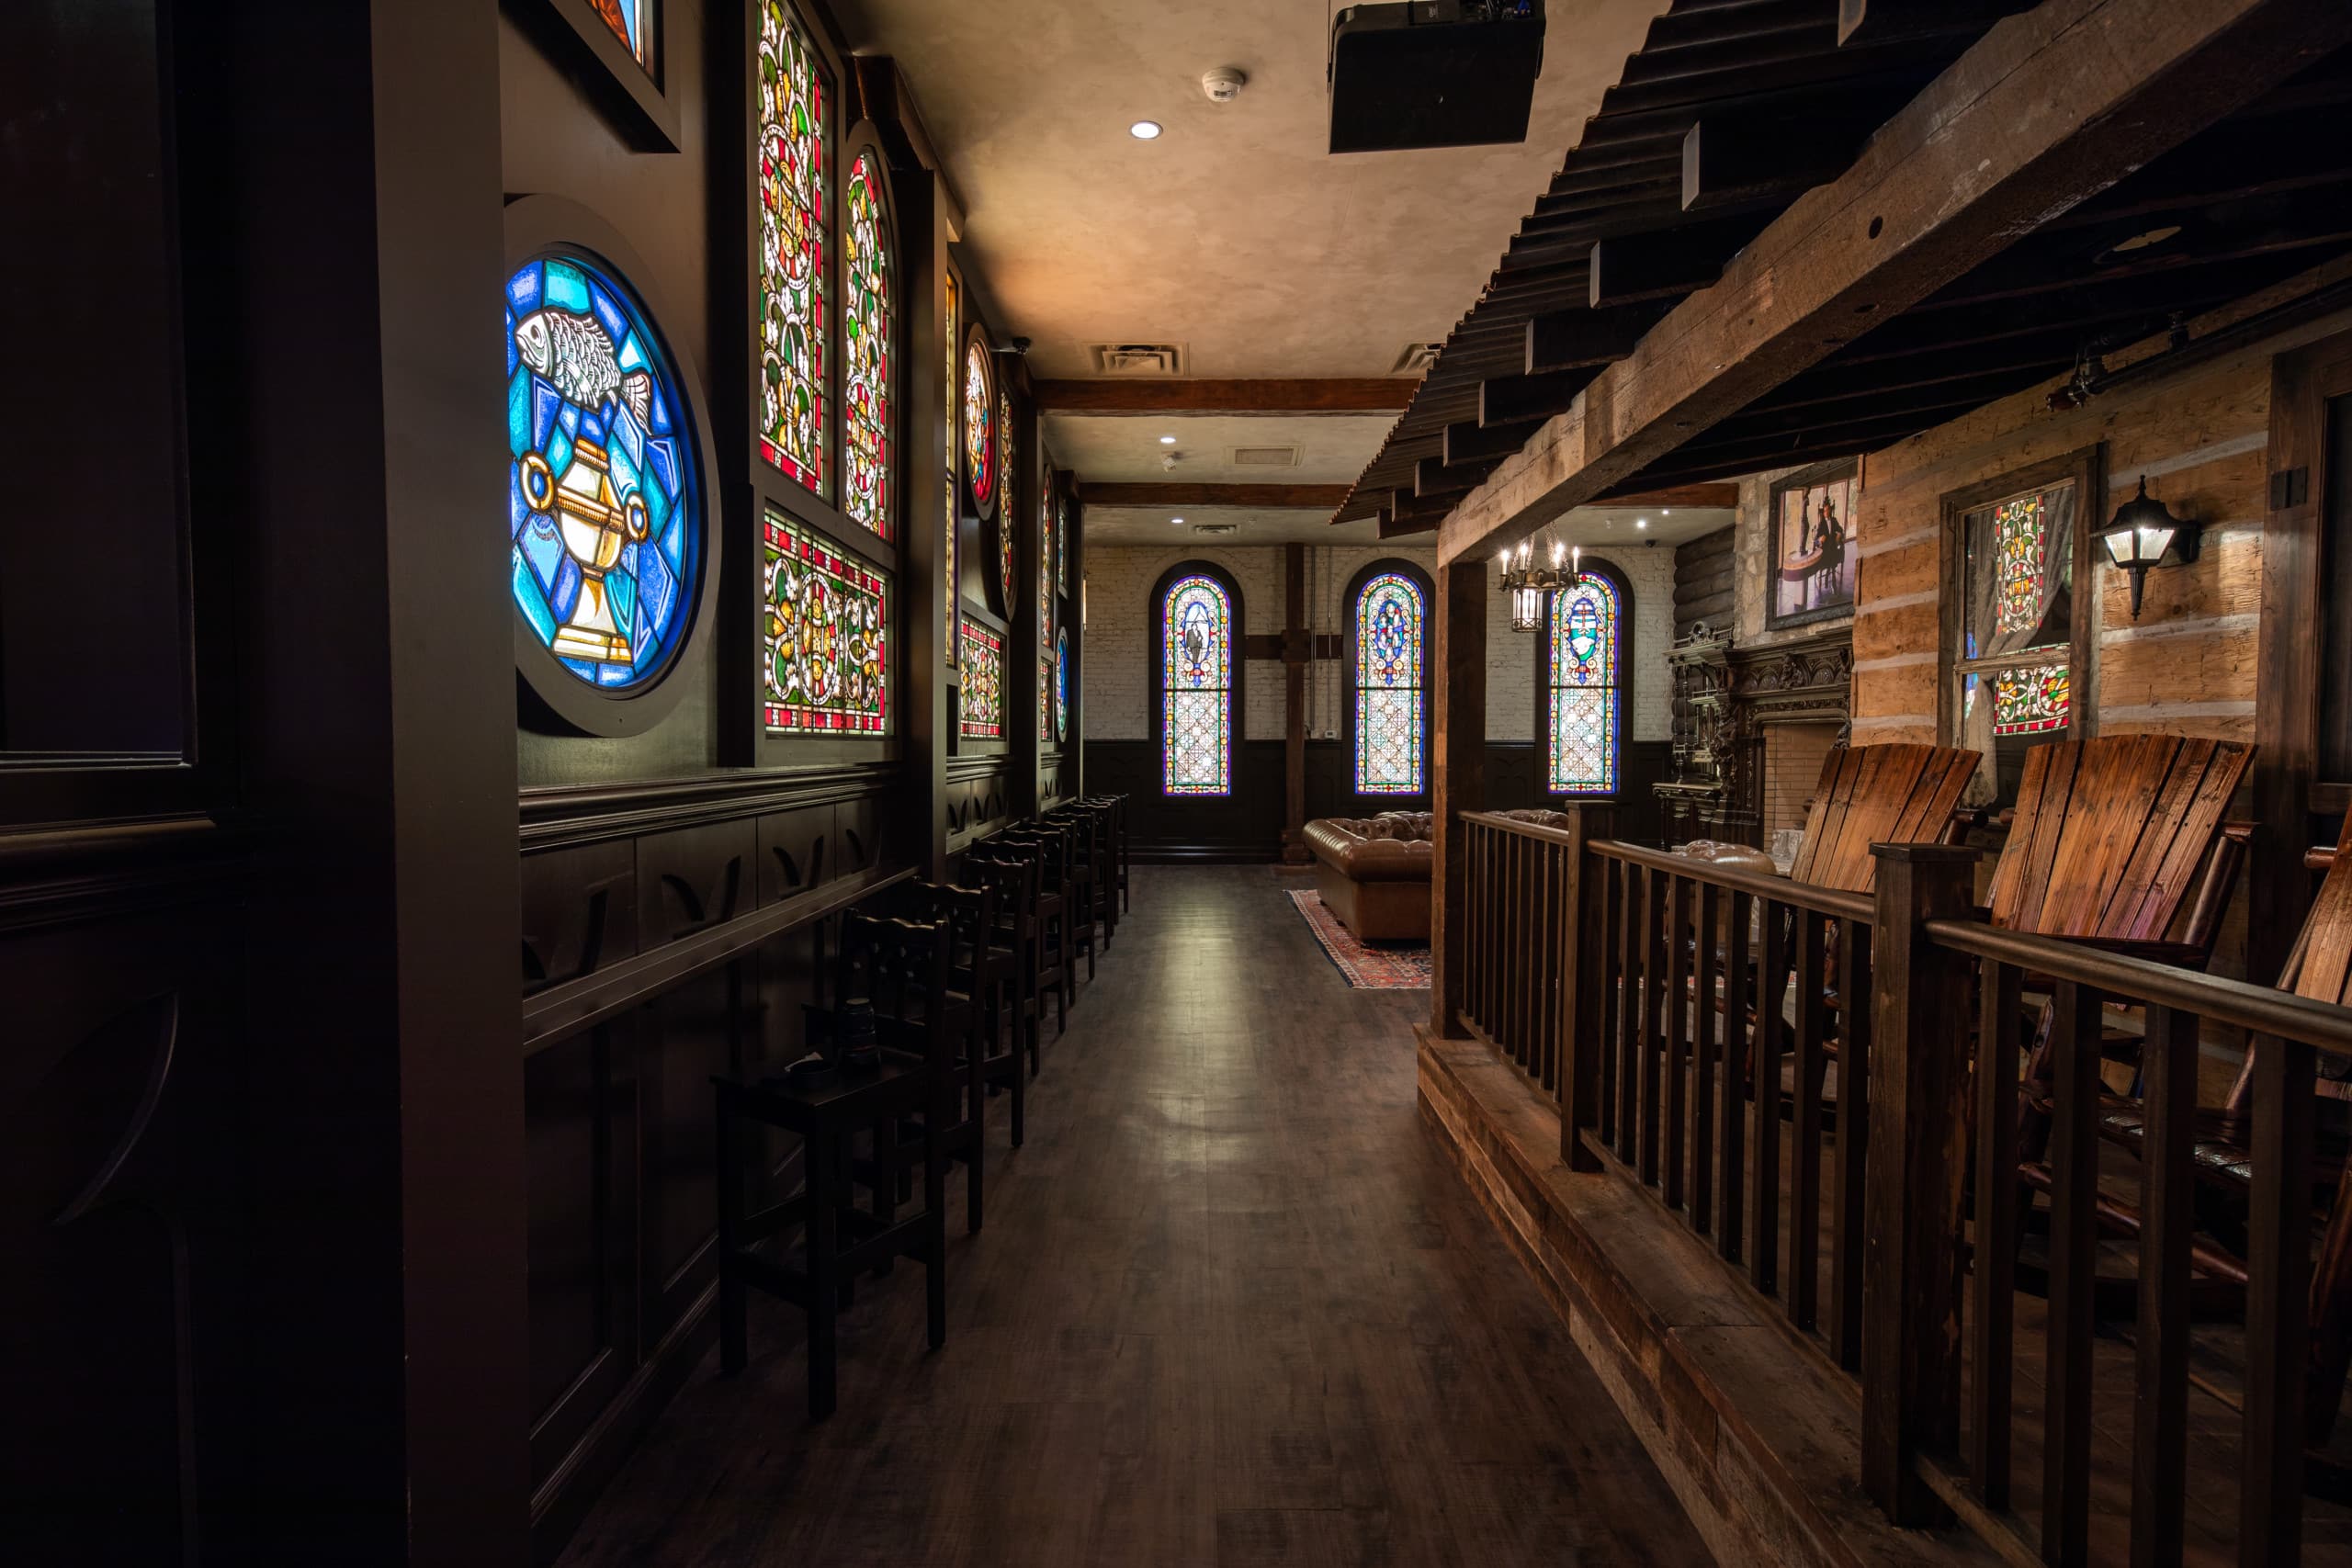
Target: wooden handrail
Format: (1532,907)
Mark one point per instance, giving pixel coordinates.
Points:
(1503,824)
(2261,1009)
(1778,889)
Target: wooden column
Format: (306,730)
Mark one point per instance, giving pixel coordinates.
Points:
(1298,650)
(1458,755)
(1918,1140)
(923,235)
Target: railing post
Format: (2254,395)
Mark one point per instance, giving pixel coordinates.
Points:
(1918,1142)
(1582,975)
(1458,747)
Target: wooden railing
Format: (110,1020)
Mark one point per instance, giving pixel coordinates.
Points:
(1689,1017)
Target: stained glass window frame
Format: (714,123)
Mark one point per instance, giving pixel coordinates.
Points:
(813,474)
(863,148)
(541,227)
(1618,687)
(853,579)
(2023,675)
(978,453)
(951,578)
(980,684)
(1355,691)
(1007,549)
(1048,607)
(637,96)
(1061,687)
(1229,709)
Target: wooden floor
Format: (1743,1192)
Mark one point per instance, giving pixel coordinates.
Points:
(1233,1307)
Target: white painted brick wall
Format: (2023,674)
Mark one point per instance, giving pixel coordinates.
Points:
(1119,579)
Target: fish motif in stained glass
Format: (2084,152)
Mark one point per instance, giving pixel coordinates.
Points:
(1389,696)
(1584,695)
(868,348)
(1196,660)
(604,492)
(981,702)
(790,156)
(826,662)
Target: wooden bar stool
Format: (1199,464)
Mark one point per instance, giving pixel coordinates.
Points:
(1055,968)
(1014,877)
(902,967)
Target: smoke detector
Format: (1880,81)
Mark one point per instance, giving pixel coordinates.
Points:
(1224,84)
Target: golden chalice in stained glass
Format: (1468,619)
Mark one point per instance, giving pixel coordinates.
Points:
(595,523)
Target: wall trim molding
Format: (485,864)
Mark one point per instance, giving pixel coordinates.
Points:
(586,814)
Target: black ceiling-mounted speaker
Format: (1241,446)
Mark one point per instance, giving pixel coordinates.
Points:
(1435,74)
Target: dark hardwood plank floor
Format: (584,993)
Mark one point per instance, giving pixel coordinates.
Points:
(1232,1307)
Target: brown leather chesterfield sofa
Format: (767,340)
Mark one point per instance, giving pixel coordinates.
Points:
(1373,871)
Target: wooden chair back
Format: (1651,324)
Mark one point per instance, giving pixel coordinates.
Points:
(1900,794)
(900,966)
(2110,833)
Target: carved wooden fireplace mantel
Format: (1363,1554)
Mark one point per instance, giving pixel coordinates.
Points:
(1727,698)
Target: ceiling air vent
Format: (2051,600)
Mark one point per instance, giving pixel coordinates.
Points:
(1264,456)
(1215,530)
(1415,358)
(1139,359)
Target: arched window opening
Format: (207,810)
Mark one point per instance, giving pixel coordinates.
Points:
(1388,669)
(1198,633)
(1584,648)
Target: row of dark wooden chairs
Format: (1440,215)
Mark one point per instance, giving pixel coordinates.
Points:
(956,978)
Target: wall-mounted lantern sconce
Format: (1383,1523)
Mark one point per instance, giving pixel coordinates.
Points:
(2144,534)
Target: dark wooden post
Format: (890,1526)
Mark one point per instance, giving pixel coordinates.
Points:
(1298,646)
(1911,1267)
(1458,749)
(1583,971)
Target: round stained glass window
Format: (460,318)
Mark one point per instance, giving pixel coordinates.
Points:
(980,423)
(604,496)
(1061,686)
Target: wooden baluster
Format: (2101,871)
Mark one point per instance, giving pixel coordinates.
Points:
(1558,921)
(1653,1040)
(1853,1135)
(2075,1028)
(1630,1022)
(2278,1322)
(1707,936)
(1523,1011)
(1474,923)
(1612,874)
(1547,930)
(1764,1244)
(1678,1034)
(1804,1159)
(1919,995)
(2167,1192)
(1992,1292)
(1583,995)
(1482,997)
(1737,1049)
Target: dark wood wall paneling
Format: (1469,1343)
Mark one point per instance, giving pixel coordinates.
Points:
(1247,825)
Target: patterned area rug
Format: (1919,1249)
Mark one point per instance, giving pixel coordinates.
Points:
(1387,966)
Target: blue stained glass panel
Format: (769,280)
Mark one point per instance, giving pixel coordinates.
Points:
(1390,618)
(585,485)
(1584,695)
(1196,702)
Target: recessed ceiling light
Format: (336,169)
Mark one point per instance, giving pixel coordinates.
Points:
(1144,130)
(1641,521)
(1175,520)
(1168,441)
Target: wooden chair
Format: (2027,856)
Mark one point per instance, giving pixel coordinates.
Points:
(1018,931)
(1117,805)
(1098,887)
(903,968)
(1896,794)
(1073,834)
(1057,951)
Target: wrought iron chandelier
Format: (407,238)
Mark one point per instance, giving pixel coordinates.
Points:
(1528,585)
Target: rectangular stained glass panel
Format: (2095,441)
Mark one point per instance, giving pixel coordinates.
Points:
(793,146)
(869,321)
(2018,612)
(827,660)
(1197,742)
(948,577)
(981,701)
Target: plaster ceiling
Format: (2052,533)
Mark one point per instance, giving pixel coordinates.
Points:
(1125,448)
(1234,234)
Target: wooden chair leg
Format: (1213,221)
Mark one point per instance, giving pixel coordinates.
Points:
(888,1177)
(824,1221)
(732,1338)
(934,1263)
(1020,1100)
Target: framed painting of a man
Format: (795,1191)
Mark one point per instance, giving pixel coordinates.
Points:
(1811,546)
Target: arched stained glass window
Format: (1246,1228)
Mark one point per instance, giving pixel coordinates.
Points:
(949,579)
(1061,542)
(791,157)
(1197,681)
(869,338)
(1045,542)
(1391,694)
(1584,643)
(1005,553)
(1061,685)
(979,425)
(604,501)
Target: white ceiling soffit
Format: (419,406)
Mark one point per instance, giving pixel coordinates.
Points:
(1127,449)
(1234,232)
(1258,525)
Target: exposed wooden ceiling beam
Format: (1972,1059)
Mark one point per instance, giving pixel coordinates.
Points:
(1467,441)
(1432,476)
(1731,160)
(1665,263)
(1404,528)
(2030,121)
(1317,496)
(1570,340)
(1509,399)
(1864,22)
(1715,495)
(1372,394)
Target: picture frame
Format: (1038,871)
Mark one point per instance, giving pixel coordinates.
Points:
(1810,550)
(627,84)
